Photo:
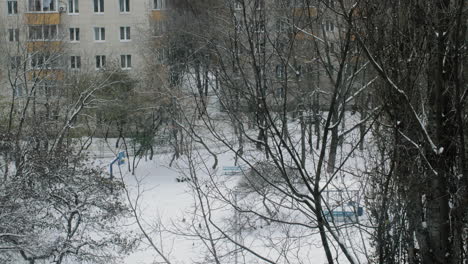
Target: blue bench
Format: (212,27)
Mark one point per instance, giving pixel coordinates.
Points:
(232,170)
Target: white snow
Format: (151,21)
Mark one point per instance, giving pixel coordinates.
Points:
(169,210)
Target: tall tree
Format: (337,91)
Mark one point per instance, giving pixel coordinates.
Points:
(418,49)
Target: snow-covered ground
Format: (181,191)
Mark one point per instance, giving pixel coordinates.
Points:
(167,210)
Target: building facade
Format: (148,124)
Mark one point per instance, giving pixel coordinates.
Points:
(48,38)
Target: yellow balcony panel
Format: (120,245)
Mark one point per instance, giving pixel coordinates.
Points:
(306,12)
(42,18)
(158,15)
(302,36)
(47,74)
(356,58)
(45,46)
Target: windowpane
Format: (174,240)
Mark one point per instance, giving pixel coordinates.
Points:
(125,61)
(12,7)
(53,32)
(122,61)
(15,62)
(124,33)
(100,61)
(35,5)
(75,62)
(36,33)
(124,5)
(46,32)
(129,61)
(98,6)
(99,34)
(159,4)
(49,5)
(73,6)
(19,90)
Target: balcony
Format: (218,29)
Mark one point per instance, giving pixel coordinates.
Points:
(304,11)
(158,15)
(49,74)
(42,18)
(45,46)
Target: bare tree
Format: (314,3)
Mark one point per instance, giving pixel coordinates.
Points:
(418,50)
(251,76)
(55,205)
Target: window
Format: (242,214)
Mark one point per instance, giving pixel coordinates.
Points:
(298,3)
(260,46)
(98,6)
(280,92)
(298,71)
(13,34)
(44,61)
(162,55)
(75,62)
(159,28)
(329,26)
(12,6)
(329,3)
(43,32)
(99,34)
(282,25)
(47,87)
(259,26)
(124,6)
(100,61)
(280,71)
(259,4)
(239,25)
(124,33)
(126,61)
(15,62)
(237,5)
(73,7)
(311,69)
(159,4)
(239,49)
(74,34)
(42,5)
(19,89)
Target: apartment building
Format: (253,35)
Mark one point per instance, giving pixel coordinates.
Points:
(48,38)
(298,47)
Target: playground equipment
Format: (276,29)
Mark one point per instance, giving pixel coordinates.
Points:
(343,206)
(120,159)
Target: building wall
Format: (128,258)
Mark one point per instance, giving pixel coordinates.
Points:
(138,19)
